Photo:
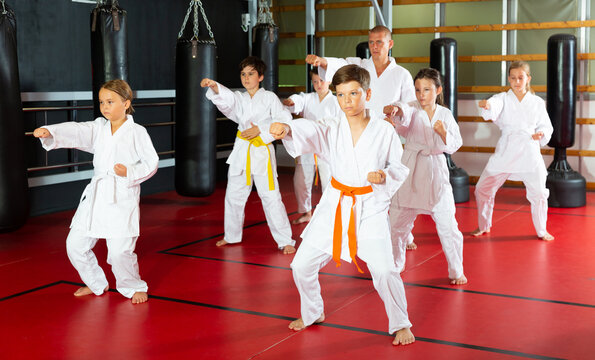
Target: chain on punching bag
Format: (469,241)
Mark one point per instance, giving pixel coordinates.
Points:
(567,187)
(196,154)
(265,45)
(443,57)
(14,198)
(109,47)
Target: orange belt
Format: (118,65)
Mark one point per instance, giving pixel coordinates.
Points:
(338,231)
(316,170)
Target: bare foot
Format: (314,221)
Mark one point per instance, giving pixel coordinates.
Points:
(302,219)
(547,237)
(460,281)
(221,243)
(140,297)
(411,246)
(298,324)
(478,232)
(404,337)
(288,249)
(84,291)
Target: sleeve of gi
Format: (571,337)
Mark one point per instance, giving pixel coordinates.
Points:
(148,161)
(225,101)
(73,135)
(307,137)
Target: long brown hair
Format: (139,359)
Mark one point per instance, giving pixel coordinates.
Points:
(526,68)
(435,77)
(121,88)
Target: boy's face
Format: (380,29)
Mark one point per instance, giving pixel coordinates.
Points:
(352,97)
(112,106)
(250,78)
(321,87)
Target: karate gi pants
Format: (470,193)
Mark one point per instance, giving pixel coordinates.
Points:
(443,214)
(303,178)
(236,195)
(537,194)
(387,281)
(120,255)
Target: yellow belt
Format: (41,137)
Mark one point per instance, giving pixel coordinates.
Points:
(257,141)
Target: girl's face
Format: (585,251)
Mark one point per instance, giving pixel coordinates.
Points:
(518,80)
(250,78)
(426,92)
(321,87)
(112,106)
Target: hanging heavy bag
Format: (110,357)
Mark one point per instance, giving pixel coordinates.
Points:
(14,198)
(443,57)
(265,45)
(109,47)
(196,154)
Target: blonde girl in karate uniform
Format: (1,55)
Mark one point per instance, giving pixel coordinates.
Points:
(321,106)
(430,131)
(522,117)
(123,157)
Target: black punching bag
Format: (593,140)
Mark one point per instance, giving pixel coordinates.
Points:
(14,198)
(362,50)
(265,45)
(195,133)
(109,49)
(443,57)
(567,187)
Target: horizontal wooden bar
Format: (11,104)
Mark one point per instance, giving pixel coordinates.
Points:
(292,62)
(579,121)
(359,4)
(549,151)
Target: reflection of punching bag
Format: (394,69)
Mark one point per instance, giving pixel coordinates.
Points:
(14,199)
(362,50)
(109,50)
(265,45)
(196,139)
(443,57)
(567,187)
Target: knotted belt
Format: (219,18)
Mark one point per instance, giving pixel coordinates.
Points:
(258,142)
(338,230)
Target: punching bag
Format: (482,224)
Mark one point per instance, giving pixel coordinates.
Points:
(14,198)
(443,57)
(109,49)
(362,50)
(195,132)
(265,45)
(567,187)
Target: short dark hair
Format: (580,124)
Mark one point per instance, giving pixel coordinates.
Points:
(313,71)
(352,73)
(255,63)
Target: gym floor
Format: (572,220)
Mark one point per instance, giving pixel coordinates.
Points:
(526,298)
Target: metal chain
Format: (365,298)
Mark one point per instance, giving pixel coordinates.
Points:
(195,4)
(4,12)
(264,13)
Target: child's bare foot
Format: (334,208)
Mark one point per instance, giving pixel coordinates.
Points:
(547,237)
(478,232)
(298,324)
(302,219)
(460,281)
(411,246)
(84,291)
(140,297)
(221,243)
(404,337)
(288,249)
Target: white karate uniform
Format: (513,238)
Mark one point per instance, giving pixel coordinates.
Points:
(310,107)
(109,206)
(517,156)
(427,190)
(262,109)
(393,85)
(378,148)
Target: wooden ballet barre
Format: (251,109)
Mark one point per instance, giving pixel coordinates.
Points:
(359,4)
(579,121)
(490,150)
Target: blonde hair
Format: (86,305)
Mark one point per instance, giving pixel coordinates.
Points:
(525,67)
(381,29)
(121,88)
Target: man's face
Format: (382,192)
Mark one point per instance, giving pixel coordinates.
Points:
(380,43)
